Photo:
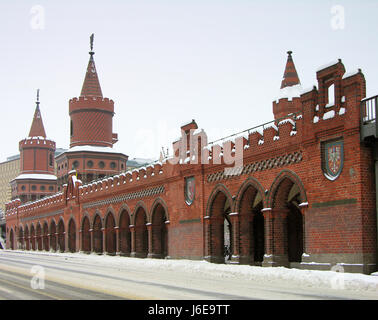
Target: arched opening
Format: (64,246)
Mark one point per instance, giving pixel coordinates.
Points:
(39,237)
(251,221)
(286,201)
(11,239)
(86,236)
(61,238)
(21,238)
(220,229)
(141,233)
(124,233)
(32,237)
(97,234)
(46,237)
(72,236)
(53,244)
(159,232)
(110,235)
(26,237)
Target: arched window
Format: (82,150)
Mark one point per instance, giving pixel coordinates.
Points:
(71,128)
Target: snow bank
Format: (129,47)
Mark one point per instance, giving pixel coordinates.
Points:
(308,278)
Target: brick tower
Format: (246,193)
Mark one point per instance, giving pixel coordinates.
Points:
(91,151)
(37,173)
(288,100)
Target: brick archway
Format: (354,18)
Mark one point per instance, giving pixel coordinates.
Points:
(141,233)
(249,223)
(72,235)
(285,239)
(27,238)
(86,235)
(53,233)
(97,234)
(217,229)
(32,237)
(159,231)
(124,232)
(61,236)
(110,234)
(11,239)
(45,236)
(21,237)
(39,236)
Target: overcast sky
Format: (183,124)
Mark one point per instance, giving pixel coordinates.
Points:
(164,63)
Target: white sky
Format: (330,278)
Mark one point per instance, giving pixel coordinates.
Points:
(167,62)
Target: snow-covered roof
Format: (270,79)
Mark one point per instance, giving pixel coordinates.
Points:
(351,73)
(327,65)
(36,176)
(92,149)
(290,92)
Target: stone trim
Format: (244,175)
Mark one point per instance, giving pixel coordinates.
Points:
(42,216)
(125,197)
(262,165)
(334,203)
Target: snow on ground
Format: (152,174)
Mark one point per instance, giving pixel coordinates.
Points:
(294,277)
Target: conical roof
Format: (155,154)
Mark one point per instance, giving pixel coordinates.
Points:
(37,129)
(91,85)
(290,77)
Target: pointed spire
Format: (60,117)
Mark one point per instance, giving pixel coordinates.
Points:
(37,129)
(290,77)
(91,85)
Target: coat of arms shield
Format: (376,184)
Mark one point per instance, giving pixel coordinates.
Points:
(333,159)
(189,190)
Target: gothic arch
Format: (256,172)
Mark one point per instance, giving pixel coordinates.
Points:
(85,226)
(97,213)
(111,211)
(286,195)
(110,234)
(158,201)
(251,181)
(53,236)
(71,230)
(45,237)
(159,231)
(140,204)
(140,219)
(218,228)
(249,223)
(285,174)
(124,241)
(124,208)
(219,188)
(97,226)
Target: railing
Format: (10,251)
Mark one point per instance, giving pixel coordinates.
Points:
(262,127)
(369,109)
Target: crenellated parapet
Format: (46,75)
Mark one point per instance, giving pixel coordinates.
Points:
(88,103)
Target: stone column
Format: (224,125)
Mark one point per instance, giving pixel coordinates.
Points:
(132,231)
(117,241)
(305,255)
(103,230)
(91,240)
(234,218)
(276,253)
(150,254)
(167,223)
(207,252)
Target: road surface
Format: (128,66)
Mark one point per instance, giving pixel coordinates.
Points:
(44,276)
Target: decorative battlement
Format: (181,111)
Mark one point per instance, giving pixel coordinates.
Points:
(41,142)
